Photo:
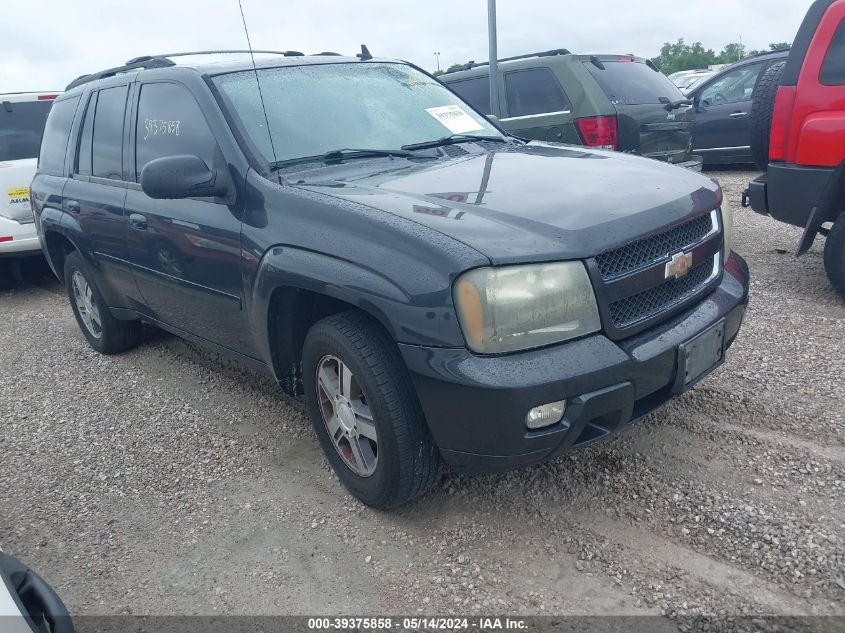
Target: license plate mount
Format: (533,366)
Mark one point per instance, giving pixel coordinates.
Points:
(700,356)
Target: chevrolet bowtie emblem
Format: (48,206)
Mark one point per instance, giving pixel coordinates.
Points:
(679,266)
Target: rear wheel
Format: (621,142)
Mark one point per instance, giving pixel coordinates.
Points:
(834,255)
(762,111)
(103,332)
(366,413)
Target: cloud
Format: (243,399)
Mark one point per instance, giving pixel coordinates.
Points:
(53,42)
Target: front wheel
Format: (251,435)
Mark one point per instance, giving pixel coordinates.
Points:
(103,332)
(365,411)
(834,255)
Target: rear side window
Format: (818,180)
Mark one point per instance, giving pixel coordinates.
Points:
(56,135)
(534,91)
(107,141)
(170,123)
(21,126)
(83,158)
(833,69)
(632,83)
(475,92)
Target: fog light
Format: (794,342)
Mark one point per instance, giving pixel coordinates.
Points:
(545,415)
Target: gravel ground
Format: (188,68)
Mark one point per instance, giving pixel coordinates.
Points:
(169,481)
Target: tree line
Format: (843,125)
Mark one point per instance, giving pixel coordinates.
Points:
(683,56)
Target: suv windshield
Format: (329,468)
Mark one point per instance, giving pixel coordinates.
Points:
(21,126)
(632,83)
(319,108)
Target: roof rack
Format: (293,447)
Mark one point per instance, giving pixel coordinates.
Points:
(551,53)
(163,61)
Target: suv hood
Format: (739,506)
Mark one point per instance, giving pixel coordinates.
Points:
(522,203)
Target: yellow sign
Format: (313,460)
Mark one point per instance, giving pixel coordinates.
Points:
(20,192)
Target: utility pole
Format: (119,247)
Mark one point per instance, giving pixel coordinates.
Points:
(494,58)
(437,56)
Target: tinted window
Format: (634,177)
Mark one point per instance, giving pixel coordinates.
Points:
(169,123)
(107,144)
(56,135)
(21,126)
(534,91)
(833,70)
(475,92)
(83,157)
(733,87)
(632,83)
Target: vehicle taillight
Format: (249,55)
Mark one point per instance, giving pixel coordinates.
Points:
(784,102)
(599,131)
(47,97)
(6,238)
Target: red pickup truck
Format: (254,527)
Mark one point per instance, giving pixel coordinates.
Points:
(798,136)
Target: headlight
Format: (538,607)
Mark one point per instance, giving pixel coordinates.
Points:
(520,307)
(728,229)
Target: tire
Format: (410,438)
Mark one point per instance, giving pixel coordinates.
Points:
(407,462)
(762,111)
(834,255)
(105,333)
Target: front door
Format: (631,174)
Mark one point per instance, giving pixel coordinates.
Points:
(723,114)
(185,254)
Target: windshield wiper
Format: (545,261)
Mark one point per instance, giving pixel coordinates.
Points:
(455,138)
(346,153)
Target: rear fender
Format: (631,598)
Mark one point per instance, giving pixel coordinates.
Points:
(830,204)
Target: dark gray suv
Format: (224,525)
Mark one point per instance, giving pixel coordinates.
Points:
(438,291)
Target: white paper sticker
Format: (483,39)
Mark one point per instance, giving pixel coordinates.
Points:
(455,119)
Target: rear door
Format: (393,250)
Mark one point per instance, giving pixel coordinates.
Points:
(723,113)
(95,192)
(639,93)
(537,106)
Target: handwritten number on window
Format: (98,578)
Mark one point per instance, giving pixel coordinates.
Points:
(159,127)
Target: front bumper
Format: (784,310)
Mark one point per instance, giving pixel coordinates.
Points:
(476,405)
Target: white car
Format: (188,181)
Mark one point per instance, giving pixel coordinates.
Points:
(27,603)
(22,119)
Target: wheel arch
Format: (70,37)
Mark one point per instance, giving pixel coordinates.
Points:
(295,288)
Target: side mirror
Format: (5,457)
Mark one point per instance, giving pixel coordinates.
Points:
(183,176)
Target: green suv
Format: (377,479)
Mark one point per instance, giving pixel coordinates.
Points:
(617,102)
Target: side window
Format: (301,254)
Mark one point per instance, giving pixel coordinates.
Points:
(534,91)
(107,138)
(56,135)
(734,87)
(170,122)
(475,92)
(83,156)
(833,69)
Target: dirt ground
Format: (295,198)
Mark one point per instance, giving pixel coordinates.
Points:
(169,481)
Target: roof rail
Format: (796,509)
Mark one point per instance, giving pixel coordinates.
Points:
(163,61)
(551,53)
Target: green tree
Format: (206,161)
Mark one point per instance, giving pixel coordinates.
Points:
(682,56)
(732,53)
(437,73)
(780,46)
(454,67)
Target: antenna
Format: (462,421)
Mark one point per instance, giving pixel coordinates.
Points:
(257,82)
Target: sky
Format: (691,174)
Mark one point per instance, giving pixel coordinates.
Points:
(44,44)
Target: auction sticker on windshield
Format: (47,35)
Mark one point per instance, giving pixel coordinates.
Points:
(455,119)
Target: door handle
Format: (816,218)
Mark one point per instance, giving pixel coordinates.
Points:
(72,206)
(138,221)
(739,115)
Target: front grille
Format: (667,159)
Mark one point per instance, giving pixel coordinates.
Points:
(651,302)
(650,250)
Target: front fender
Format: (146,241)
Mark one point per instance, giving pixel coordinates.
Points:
(407,318)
